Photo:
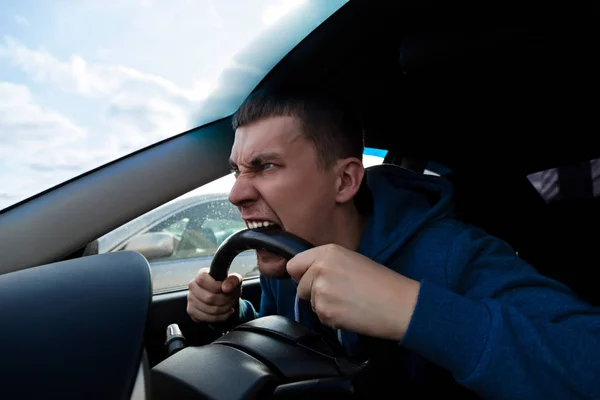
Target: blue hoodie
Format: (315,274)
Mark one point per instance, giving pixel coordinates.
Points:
(484,316)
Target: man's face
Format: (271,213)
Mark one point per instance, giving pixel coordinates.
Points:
(280,182)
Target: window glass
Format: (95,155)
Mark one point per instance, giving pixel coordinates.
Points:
(83,83)
(200,230)
(174,226)
(576,181)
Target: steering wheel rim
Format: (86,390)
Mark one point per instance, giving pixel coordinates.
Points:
(272,239)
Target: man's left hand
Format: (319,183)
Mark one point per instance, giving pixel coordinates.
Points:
(350,291)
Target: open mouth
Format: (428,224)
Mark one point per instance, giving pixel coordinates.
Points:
(255,225)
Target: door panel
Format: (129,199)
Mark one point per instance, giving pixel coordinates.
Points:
(169,308)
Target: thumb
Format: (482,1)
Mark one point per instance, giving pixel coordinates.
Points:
(231,283)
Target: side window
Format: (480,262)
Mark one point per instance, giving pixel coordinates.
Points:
(174,226)
(221,229)
(181,237)
(567,183)
(199,230)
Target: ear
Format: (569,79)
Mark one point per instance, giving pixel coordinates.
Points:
(350,172)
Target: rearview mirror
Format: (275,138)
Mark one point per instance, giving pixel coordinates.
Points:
(152,245)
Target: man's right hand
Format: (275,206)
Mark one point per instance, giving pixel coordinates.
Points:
(212,301)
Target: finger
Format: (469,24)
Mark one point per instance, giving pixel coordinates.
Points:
(223,305)
(197,315)
(300,263)
(305,284)
(204,280)
(232,283)
(320,304)
(198,293)
(315,299)
(211,309)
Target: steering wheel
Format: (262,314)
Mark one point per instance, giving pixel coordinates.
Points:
(274,240)
(269,357)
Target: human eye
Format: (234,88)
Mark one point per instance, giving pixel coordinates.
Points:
(235,172)
(267,166)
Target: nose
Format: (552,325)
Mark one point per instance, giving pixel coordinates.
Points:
(243,192)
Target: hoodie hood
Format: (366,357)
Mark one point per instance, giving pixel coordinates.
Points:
(403,203)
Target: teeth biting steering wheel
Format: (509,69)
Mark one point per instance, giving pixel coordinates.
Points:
(271,239)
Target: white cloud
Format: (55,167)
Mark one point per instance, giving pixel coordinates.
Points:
(29,135)
(24,122)
(136,110)
(140,105)
(94,80)
(40,147)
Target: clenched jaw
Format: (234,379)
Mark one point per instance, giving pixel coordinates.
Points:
(269,264)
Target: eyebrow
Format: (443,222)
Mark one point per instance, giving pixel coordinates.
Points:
(258,159)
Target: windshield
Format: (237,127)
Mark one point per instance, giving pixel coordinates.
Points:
(83,83)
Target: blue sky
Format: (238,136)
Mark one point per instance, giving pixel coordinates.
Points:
(85,82)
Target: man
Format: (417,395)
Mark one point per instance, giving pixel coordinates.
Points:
(391,266)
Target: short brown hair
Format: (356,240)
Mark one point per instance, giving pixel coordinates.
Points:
(329,121)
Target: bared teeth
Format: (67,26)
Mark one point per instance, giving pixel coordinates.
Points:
(258,224)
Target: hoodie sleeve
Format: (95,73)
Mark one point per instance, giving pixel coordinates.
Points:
(505,331)
(267,304)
